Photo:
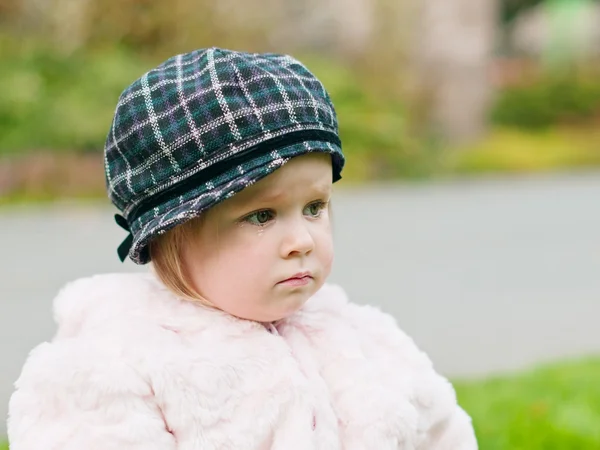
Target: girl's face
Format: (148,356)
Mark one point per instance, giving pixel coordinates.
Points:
(262,253)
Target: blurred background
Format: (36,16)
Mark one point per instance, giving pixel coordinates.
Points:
(468,204)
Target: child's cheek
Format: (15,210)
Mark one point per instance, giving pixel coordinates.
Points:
(328,261)
(325,251)
(249,257)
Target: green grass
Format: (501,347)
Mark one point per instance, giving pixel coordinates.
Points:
(556,407)
(3,446)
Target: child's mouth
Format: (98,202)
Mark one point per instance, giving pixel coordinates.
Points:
(299,279)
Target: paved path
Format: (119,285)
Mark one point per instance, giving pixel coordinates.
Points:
(487,276)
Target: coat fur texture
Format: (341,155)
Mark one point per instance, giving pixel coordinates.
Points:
(132,367)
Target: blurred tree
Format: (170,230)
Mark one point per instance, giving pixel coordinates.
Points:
(454,42)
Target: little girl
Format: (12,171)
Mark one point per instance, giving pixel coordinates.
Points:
(222,165)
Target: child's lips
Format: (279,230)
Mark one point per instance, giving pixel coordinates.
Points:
(296,281)
(299,279)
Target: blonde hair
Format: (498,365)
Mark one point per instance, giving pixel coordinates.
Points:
(166,257)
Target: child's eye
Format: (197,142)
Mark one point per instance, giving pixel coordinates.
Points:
(260,217)
(314,209)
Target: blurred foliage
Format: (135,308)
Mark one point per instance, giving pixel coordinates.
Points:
(374,126)
(3,446)
(550,100)
(555,407)
(162,29)
(515,150)
(144,26)
(57,102)
(510,9)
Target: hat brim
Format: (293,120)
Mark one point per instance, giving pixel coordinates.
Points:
(197,200)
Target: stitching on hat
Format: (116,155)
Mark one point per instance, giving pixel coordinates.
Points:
(218,90)
(282,92)
(183,102)
(250,100)
(154,124)
(112,193)
(312,98)
(111,184)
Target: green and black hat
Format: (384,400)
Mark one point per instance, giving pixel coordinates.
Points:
(204,125)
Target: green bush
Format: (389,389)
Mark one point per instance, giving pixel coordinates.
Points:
(512,150)
(59,102)
(549,101)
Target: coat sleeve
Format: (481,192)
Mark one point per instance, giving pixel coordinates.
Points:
(455,432)
(443,424)
(72,396)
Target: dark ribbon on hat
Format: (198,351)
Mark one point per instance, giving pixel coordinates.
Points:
(217,169)
(125,246)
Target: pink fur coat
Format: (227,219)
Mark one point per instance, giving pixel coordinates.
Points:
(132,367)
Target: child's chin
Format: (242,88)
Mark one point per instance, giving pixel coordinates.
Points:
(288,308)
(296,302)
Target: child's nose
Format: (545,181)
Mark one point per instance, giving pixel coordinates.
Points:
(297,240)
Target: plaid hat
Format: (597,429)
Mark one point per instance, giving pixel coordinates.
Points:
(201,127)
